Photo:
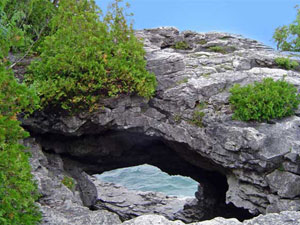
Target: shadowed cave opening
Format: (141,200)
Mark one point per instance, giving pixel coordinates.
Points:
(113,149)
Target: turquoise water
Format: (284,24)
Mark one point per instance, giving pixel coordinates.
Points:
(150,178)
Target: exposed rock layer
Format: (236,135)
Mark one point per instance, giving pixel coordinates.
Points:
(256,164)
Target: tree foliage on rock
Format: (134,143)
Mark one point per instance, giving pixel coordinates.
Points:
(287,37)
(89,57)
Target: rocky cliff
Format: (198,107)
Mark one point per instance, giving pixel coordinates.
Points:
(185,129)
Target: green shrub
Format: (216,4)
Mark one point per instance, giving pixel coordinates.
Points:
(264,100)
(201,105)
(86,58)
(17,190)
(177,118)
(202,42)
(181,45)
(197,118)
(18,193)
(281,168)
(286,63)
(68,182)
(184,80)
(225,37)
(219,49)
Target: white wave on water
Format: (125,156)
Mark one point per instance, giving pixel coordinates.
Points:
(150,178)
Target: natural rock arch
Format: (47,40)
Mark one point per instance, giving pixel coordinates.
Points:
(111,149)
(260,160)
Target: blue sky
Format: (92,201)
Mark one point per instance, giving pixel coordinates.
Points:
(255,19)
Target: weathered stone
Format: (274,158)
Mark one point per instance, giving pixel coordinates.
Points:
(284,218)
(151,220)
(58,204)
(277,204)
(129,204)
(285,184)
(245,195)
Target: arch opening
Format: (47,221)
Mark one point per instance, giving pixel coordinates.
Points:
(150,178)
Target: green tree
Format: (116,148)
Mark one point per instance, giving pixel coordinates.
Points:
(26,22)
(287,37)
(18,192)
(17,189)
(89,57)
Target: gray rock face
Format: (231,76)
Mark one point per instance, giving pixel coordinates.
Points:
(286,184)
(58,204)
(233,157)
(286,218)
(61,206)
(130,204)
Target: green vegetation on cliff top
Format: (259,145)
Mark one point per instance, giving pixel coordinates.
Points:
(263,101)
(87,57)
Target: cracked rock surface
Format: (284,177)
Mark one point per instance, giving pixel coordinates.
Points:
(60,205)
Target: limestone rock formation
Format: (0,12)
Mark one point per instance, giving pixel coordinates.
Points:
(129,204)
(254,166)
(60,205)
(286,218)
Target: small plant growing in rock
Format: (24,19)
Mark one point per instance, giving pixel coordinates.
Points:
(281,168)
(231,49)
(177,118)
(202,42)
(206,74)
(184,80)
(286,63)
(181,45)
(225,37)
(68,182)
(264,100)
(219,49)
(201,105)
(197,118)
